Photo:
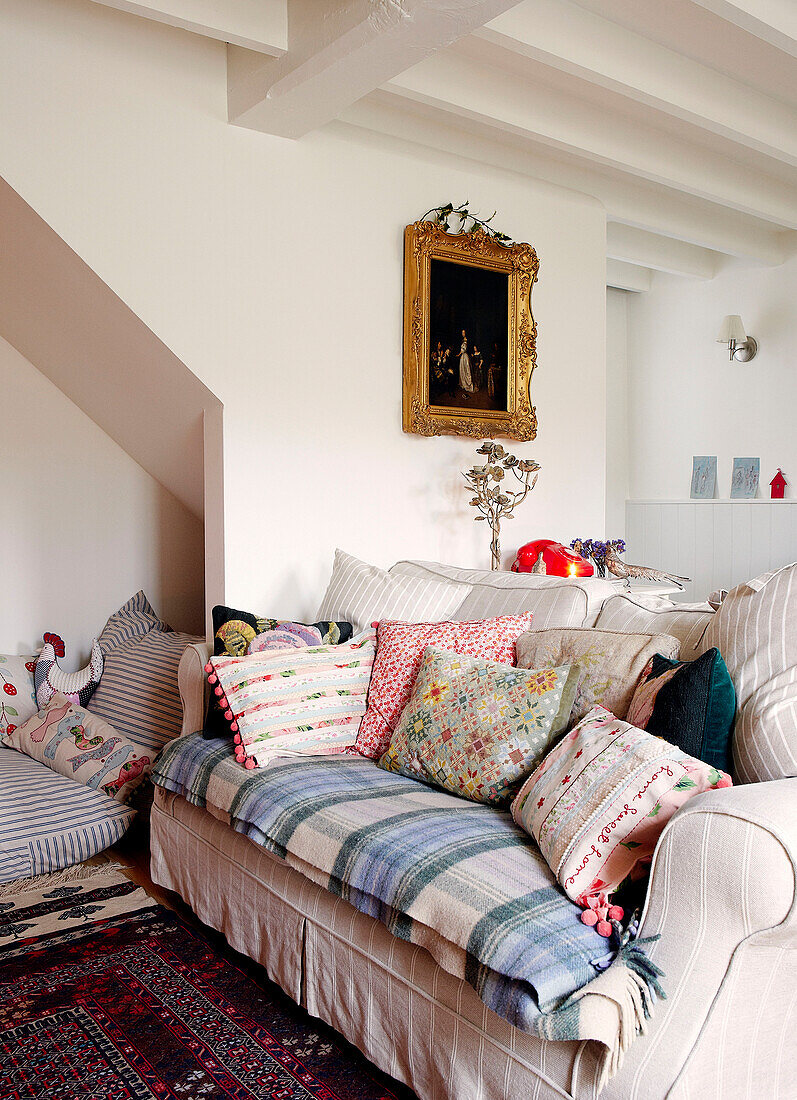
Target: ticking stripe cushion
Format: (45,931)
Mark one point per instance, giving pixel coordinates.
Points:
(554,601)
(294,702)
(361,594)
(755,630)
(658,616)
(62,823)
(138,693)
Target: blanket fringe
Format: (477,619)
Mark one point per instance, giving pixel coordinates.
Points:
(70,876)
(632,984)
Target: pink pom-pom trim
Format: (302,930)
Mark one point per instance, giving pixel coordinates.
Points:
(589,917)
(234,726)
(616,912)
(213,678)
(228,715)
(603,928)
(237,739)
(240,757)
(250,763)
(208,667)
(219,690)
(375,625)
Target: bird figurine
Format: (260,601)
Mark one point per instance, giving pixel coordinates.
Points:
(539,565)
(628,573)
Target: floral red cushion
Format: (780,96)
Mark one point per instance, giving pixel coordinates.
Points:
(399,652)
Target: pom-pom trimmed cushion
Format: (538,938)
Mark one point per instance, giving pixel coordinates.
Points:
(17,691)
(294,701)
(361,593)
(610,663)
(400,648)
(477,728)
(138,694)
(692,705)
(601,798)
(81,746)
(49,677)
(236,633)
(755,630)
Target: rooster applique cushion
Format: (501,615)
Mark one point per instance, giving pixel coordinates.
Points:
(81,746)
(50,678)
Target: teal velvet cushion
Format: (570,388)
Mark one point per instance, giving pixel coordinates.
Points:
(691,704)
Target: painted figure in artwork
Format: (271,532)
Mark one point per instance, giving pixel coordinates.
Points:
(477,368)
(492,373)
(465,374)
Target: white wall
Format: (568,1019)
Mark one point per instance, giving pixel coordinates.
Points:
(83,526)
(616,410)
(686,398)
(273,270)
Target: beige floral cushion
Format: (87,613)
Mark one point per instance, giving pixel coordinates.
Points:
(610,663)
(755,630)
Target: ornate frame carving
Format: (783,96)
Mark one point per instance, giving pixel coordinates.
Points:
(424,241)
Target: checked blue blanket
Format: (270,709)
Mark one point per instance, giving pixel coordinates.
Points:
(457,877)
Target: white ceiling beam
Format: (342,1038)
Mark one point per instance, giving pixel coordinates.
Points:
(339,56)
(572,40)
(450,82)
(623,276)
(260,25)
(636,246)
(626,198)
(773,21)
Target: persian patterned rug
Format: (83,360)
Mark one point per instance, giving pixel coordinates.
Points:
(106,995)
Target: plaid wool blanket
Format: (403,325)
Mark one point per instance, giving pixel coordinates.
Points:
(458,878)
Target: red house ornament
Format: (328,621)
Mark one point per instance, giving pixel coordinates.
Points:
(777,485)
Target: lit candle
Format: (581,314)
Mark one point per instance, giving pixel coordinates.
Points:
(571,571)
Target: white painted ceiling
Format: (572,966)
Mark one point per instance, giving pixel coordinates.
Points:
(680,116)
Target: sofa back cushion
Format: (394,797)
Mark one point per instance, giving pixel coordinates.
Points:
(658,616)
(755,630)
(554,601)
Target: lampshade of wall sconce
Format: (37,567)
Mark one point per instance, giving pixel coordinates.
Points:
(732,329)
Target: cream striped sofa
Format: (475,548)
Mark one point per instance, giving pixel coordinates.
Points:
(722,897)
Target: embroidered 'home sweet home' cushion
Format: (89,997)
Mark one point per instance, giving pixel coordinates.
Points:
(477,728)
(610,663)
(400,648)
(601,798)
(691,704)
(290,702)
(81,746)
(360,594)
(17,692)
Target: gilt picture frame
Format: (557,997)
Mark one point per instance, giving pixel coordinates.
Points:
(470,340)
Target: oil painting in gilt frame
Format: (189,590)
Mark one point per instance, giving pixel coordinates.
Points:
(469,335)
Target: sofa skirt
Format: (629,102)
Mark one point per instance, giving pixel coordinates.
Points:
(389,998)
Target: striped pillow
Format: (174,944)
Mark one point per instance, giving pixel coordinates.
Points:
(755,630)
(658,616)
(294,702)
(138,693)
(361,594)
(63,823)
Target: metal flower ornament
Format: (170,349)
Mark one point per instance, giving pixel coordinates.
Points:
(492,497)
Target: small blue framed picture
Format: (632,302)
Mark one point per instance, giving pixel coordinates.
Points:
(744,481)
(704,477)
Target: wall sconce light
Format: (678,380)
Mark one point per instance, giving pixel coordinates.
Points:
(742,347)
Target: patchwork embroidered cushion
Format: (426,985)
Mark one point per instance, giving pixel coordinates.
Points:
(610,663)
(49,677)
(138,693)
(17,691)
(361,594)
(600,799)
(81,746)
(477,728)
(294,701)
(400,649)
(692,705)
(236,633)
(755,630)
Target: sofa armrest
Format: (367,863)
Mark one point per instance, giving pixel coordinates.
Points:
(723,882)
(194,687)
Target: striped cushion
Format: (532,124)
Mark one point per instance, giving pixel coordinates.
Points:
(755,630)
(287,702)
(138,692)
(63,823)
(361,594)
(554,601)
(658,616)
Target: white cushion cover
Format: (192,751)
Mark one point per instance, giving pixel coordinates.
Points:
(655,615)
(362,594)
(554,601)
